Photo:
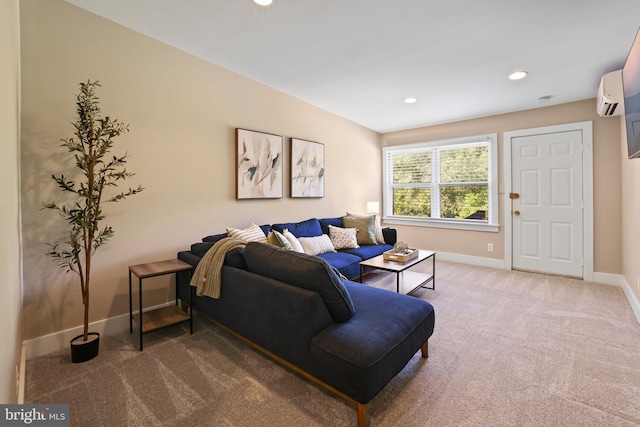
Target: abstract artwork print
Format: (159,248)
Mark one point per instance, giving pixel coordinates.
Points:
(259,165)
(307,168)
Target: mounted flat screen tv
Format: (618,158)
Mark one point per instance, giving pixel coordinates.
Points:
(631,89)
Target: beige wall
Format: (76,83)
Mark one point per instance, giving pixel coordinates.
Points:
(182,113)
(11,330)
(630,207)
(607,197)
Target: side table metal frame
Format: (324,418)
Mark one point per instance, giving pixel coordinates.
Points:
(158,271)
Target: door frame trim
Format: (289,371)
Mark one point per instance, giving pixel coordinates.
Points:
(587,190)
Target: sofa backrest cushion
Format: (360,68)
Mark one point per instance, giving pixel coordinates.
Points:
(266,229)
(234,258)
(200,249)
(326,222)
(308,228)
(214,237)
(304,271)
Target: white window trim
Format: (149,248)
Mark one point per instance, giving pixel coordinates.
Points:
(491,225)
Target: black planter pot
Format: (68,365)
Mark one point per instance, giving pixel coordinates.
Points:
(81,351)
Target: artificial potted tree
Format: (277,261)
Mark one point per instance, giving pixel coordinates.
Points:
(95,174)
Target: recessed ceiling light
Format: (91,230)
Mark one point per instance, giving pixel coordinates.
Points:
(410,100)
(263,2)
(517,75)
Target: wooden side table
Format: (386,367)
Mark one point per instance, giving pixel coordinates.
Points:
(161,317)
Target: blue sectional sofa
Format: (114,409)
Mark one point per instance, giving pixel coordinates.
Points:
(350,338)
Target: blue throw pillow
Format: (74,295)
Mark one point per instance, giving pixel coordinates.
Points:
(304,271)
(308,228)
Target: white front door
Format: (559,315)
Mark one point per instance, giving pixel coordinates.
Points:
(547,203)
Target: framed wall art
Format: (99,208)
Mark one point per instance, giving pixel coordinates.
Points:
(258,165)
(307,168)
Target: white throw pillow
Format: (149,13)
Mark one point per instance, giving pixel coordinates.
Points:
(378,227)
(295,244)
(343,238)
(316,245)
(251,234)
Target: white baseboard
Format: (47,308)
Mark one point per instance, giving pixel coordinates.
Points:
(631,297)
(58,341)
(609,279)
(619,280)
(472,260)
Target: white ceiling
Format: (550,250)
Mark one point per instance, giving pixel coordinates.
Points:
(360,58)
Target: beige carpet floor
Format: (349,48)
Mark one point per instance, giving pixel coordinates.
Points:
(509,349)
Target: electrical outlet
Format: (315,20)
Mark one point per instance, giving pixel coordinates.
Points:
(490,249)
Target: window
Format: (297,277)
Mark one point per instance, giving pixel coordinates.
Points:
(450,183)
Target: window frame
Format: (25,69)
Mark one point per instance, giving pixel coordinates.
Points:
(490,225)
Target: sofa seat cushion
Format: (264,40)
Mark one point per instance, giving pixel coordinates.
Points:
(304,271)
(367,251)
(308,228)
(340,259)
(347,264)
(361,356)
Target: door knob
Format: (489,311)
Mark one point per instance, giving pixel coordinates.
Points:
(514,195)
(516,213)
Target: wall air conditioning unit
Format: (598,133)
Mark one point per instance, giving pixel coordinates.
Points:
(610,97)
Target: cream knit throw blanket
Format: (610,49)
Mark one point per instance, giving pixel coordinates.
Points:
(208,275)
